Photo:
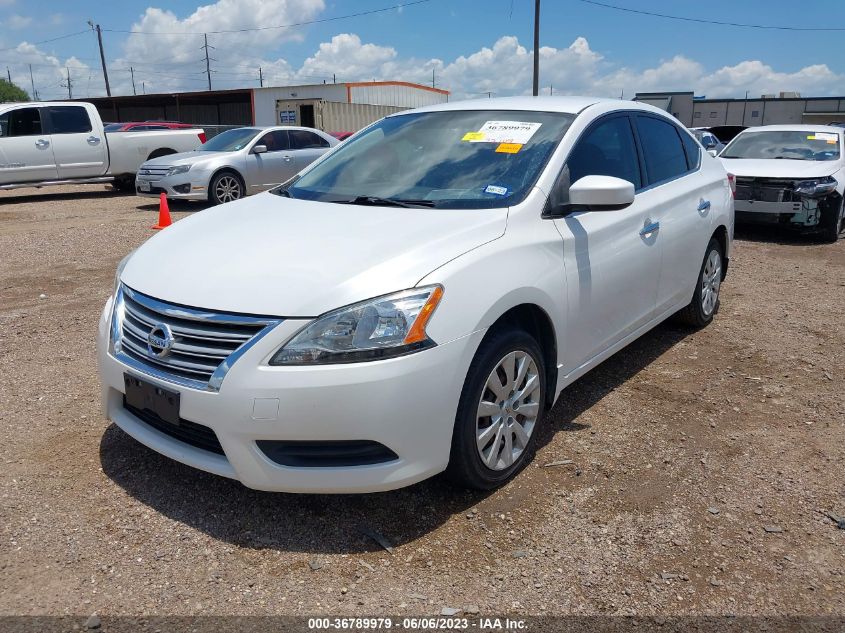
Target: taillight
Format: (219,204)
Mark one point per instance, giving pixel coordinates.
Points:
(732,183)
(202,137)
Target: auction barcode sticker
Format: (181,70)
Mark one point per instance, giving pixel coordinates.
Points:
(510,132)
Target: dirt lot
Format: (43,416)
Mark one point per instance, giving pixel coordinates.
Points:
(704,466)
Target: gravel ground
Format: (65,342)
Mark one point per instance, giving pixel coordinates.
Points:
(703,466)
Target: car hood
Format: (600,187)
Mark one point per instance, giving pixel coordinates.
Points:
(269,255)
(182,158)
(779,168)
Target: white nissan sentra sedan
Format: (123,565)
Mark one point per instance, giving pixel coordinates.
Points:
(417,299)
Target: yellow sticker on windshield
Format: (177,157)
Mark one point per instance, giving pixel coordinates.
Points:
(473,136)
(509,148)
(811,138)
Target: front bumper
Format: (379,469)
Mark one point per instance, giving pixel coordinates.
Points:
(408,404)
(181,186)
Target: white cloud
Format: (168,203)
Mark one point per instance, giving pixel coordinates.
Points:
(17,22)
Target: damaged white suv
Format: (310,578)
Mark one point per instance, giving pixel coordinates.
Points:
(789,175)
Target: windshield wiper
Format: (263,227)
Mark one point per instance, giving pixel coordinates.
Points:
(375,201)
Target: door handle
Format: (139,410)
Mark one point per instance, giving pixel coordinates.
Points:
(93,140)
(41,143)
(648,229)
(703,205)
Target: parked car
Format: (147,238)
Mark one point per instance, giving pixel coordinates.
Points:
(234,164)
(708,140)
(417,300)
(341,136)
(790,175)
(58,143)
(146,126)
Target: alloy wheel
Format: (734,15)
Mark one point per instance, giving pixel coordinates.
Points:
(711,280)
(508,410)
(227,189)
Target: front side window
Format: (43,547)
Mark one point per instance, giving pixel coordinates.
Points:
(69,119)
(275,141)
(303,139)
(662,148)
(785,144)
(467,159)
(606,150)
(20,122)
(230,140)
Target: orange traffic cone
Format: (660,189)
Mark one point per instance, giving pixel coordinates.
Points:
(163,213)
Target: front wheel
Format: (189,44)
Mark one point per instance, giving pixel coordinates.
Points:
(834,224)
(225,187)
(705,299)
(500,408)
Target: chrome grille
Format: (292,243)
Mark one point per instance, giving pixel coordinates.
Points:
(204,343)
(153,172)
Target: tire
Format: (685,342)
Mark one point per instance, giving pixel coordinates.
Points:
(491,465)
(161,152)
(834,225)
(705,299)
(226,186)
(124,184)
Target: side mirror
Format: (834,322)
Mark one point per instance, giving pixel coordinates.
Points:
(259,149)
(601,193)
(713,152)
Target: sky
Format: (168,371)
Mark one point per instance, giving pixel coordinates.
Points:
(472,47)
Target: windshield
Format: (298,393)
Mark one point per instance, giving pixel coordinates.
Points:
(456,159)
(230,140)
(785,144)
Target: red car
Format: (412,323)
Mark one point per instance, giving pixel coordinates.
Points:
(341,136)
(143,126)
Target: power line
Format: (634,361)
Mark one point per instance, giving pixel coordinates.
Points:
(280,26)
(703,21)
(54,39)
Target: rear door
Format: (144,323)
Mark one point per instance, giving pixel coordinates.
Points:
(307,147)
(679,192)
(26,151)
(612,258)
(272,167)
(78,142)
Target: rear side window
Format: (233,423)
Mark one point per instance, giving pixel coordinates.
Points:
(693,151)
(69,119)
(21,122)
(606,150)
(664,153)
(303,139)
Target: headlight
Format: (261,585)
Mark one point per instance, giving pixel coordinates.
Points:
(384,327)
(179,169)
(816,187)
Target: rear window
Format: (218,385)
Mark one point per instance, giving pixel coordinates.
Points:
(69,119)
(693,151)
(664,153)
(303,139)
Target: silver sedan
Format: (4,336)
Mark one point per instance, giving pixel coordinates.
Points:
(234,164)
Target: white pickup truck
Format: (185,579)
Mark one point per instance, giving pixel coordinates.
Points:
(63,142)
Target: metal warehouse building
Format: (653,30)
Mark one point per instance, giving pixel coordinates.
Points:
(330,107)
(787,107)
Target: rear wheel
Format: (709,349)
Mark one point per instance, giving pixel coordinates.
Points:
(500,408)
(124,184)
(225,187)
(705,299)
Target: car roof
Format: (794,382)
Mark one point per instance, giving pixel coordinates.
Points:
(568,105)
(797,127)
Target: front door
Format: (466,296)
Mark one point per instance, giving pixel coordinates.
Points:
(26,153)
(612,258)
(272,167)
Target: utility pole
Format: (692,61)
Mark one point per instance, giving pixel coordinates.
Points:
(334,78)
(744,106)
(536,47)
(69,84)
(207,59)
(32,81)
(132,72)
(9,74)
(432,77)
(260,77)
(551,90)
(96,27)
(143,87)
